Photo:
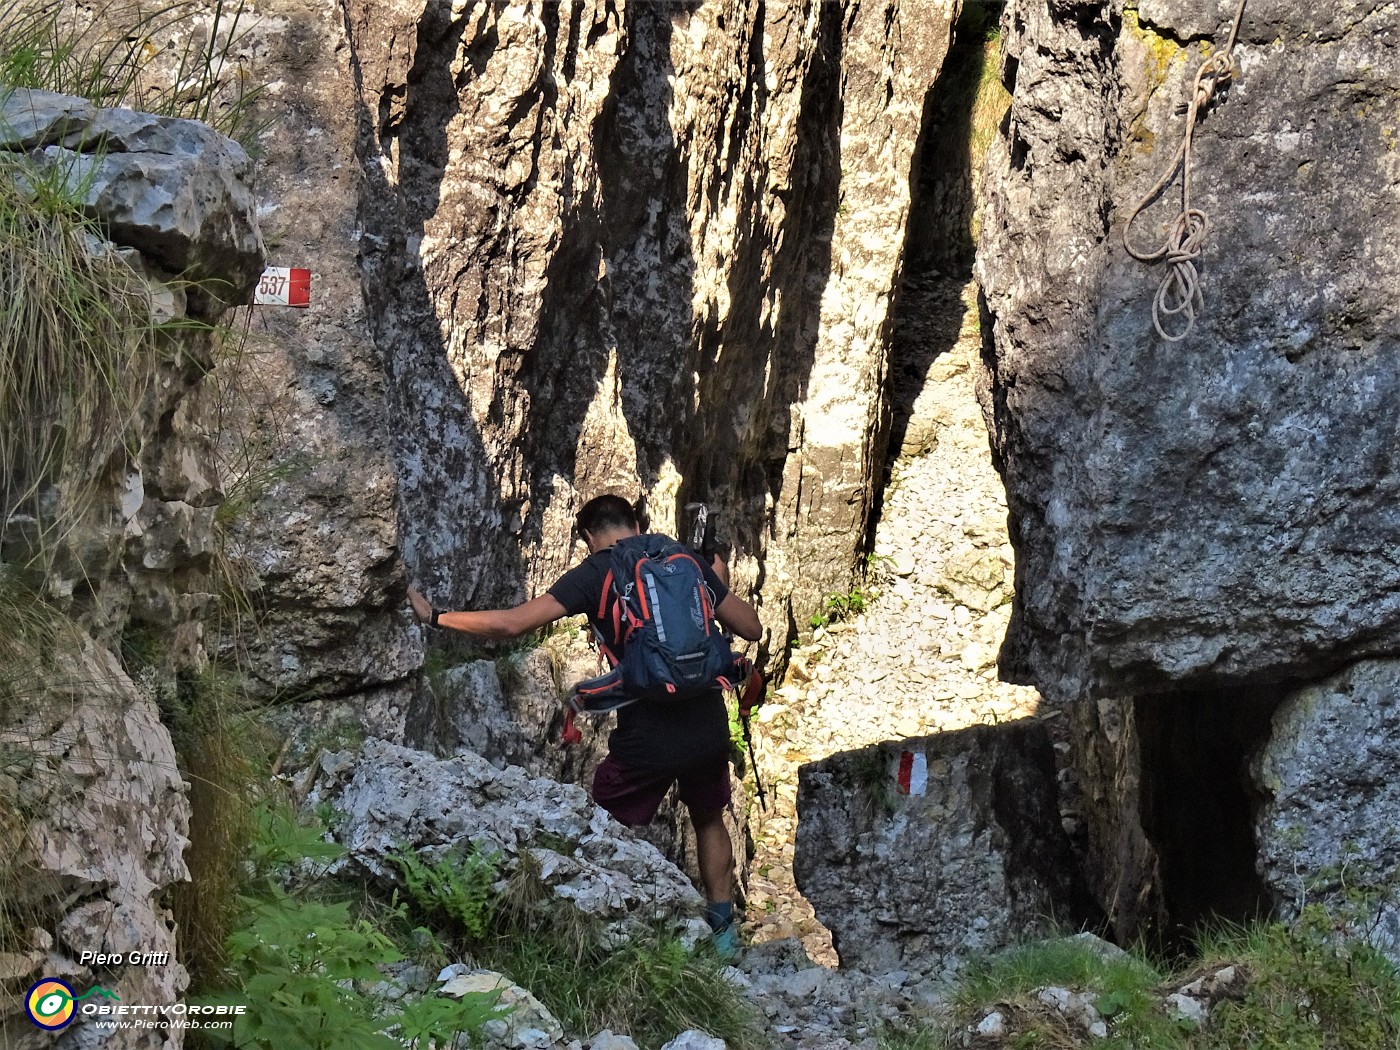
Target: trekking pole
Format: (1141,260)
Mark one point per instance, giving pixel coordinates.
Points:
(753,761)
(749,697)
(702,529)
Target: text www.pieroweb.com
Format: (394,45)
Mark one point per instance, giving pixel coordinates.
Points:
(179,1015)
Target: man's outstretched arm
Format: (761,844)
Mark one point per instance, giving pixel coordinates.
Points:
(735,613)
(739,616)
(497,624)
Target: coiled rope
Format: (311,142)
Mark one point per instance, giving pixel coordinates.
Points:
(1179,296)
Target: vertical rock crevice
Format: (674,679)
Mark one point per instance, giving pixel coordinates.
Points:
(596,259)
(1198,804)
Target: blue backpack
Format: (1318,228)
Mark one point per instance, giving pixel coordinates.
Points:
(662,613)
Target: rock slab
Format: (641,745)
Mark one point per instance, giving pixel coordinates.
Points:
(1330,780)
(393,797)
(918,853)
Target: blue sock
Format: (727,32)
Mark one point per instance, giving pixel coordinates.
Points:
(719,914)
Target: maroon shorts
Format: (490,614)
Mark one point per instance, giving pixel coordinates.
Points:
(633,796)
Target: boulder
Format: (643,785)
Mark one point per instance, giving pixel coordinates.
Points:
(1329,778)
(527,1023)
(175,190)
(95,821)
(392,798)
(919,853)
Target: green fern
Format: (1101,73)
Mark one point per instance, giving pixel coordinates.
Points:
(458,886)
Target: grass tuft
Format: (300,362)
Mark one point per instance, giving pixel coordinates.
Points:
(1305,986)
(651,987)
(79,350)
(184,59)
(214,738)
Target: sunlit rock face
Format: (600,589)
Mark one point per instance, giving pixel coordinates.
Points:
(639,247)
(1220,508)
(563,249)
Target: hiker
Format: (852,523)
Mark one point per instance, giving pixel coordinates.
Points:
(655,743)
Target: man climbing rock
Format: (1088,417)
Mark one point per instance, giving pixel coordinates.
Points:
(655,744)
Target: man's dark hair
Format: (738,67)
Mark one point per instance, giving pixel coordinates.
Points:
(604,514)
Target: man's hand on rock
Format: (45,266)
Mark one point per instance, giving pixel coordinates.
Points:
(422,608)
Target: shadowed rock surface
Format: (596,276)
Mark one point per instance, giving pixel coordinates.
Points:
(1328,777)
(1200,526)
(967,856)
(1222,508)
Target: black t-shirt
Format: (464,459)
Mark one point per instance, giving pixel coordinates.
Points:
(655,736)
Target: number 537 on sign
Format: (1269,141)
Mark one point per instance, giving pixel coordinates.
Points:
(283,286)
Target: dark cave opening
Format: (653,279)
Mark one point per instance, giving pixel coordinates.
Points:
(1198,803)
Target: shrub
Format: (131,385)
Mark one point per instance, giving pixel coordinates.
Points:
(296,962)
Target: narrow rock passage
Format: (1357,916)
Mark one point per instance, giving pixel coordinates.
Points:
(920,656)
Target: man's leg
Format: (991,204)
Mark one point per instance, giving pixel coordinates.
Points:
(716,855)
(630,795)
(705,792)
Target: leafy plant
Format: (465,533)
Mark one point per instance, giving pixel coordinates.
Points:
(426,1022)
(293,960)
(456,886)
(837,606)
(281,843)
(297,962)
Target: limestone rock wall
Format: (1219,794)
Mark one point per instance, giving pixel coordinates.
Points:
(1326,828)
(95,817)
(314,509)
(559,249)
(919,853)
(1218,508)
(1201,526)
(175,198)
(646,247)
(94,827)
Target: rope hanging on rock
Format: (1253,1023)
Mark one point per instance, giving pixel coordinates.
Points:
(1179,295)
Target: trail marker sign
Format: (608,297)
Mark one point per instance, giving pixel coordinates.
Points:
(283,286)
(912,773)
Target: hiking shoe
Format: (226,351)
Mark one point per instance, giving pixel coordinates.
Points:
(725,942)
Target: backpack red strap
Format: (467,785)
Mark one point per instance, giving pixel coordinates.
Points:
(571,734)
